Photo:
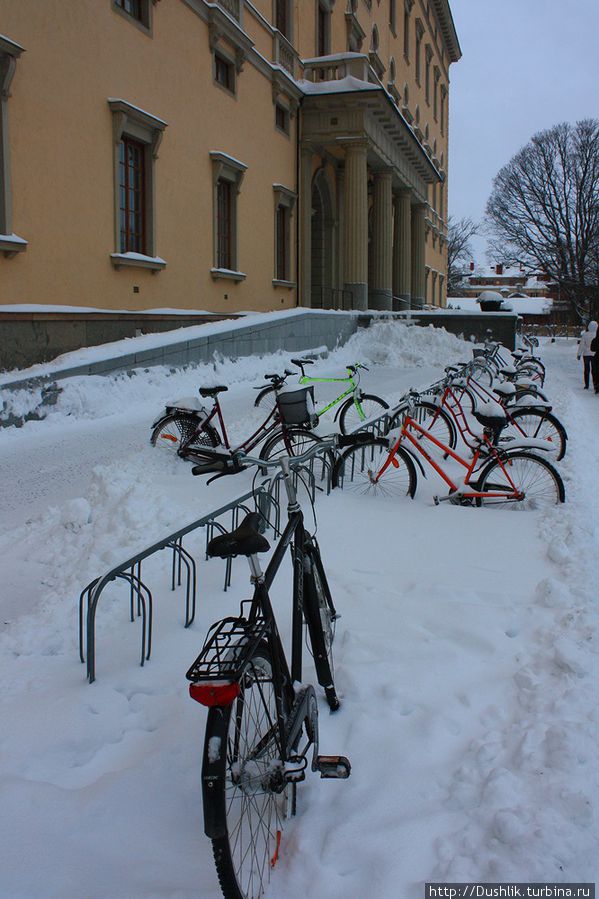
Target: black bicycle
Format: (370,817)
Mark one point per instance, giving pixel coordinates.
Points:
(263,721)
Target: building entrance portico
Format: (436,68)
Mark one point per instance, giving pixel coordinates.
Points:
(360,161)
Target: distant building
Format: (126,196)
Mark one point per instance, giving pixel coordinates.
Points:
(227,155)
(509,282)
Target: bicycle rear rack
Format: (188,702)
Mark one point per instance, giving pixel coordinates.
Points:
(228,645)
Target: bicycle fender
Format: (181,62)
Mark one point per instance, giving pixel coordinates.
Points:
(213,774)
(340,409)
(413,456)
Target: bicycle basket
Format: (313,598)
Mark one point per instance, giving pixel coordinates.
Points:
(296,405)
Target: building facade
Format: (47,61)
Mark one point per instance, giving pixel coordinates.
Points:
(224,156)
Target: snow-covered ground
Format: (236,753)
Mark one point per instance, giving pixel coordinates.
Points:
(466,658)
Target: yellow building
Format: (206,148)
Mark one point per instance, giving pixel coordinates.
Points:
(225,155)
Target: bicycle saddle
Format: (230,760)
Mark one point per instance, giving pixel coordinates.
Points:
(303,361)
(492,417)
(243,541)
(211,391)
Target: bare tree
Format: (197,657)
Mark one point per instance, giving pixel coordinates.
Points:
(543,212)
(459,249)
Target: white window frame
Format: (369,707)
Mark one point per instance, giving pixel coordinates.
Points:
(10,243)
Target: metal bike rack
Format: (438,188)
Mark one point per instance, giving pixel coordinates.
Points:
(183,566)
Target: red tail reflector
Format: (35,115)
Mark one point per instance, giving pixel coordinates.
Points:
(275,857)
(394,462)
(215,693)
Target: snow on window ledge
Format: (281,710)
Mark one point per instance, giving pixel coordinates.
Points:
(278,282)
(138,260)
(227,273)
(11,244)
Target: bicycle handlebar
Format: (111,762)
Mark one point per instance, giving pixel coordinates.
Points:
(238,460)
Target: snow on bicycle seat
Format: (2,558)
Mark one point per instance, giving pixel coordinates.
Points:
(212,391)
(505,390)
(508,371)
(243,541)
(490,415)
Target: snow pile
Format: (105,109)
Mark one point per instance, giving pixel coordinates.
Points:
(394,343)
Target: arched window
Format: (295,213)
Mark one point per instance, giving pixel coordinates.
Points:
(374,41)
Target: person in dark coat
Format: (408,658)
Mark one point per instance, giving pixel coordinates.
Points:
(595,361)
(585,352)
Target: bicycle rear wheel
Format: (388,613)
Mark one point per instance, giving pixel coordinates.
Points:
(356,470)
(173,432)
(354,412)
(535,478)
(538,424)
(241,752)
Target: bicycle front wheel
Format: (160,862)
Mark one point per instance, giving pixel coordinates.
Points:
(535,480)
(242,752)
(356,470)
(178,433)
(482,373)
(294,442)
(538,424)
(266,399)
(355,411)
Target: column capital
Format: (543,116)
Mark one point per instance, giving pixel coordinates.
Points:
(354,143)
(383,174)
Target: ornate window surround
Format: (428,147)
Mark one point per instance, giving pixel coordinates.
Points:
(283,196)
(148,130)
(232,170)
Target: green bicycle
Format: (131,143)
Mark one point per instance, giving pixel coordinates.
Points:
(354,406)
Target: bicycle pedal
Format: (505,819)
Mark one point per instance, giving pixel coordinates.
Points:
(333,766)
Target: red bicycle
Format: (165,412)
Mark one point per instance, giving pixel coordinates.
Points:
(441,411)
(494,475)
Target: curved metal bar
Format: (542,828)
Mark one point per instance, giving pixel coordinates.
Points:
(95,588)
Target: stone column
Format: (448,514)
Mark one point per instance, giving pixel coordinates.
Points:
(402,251)
(339,276)
(355,226)
(380,293)
(305,229)
(418,278)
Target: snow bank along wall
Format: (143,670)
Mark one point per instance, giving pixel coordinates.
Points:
(291,333)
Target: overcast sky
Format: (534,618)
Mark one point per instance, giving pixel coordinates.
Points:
(526,65)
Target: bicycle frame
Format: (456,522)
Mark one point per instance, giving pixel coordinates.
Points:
(269,424)
(409,425)
(353,388)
